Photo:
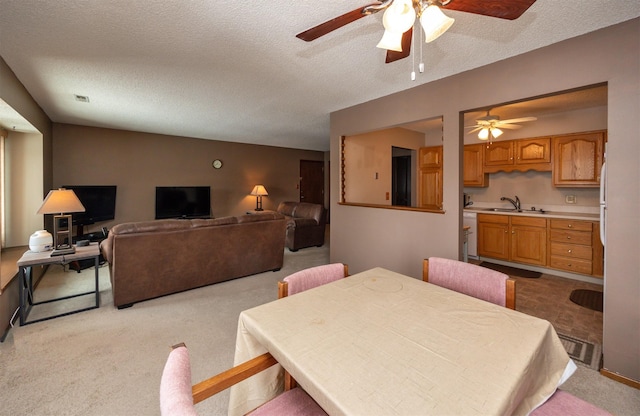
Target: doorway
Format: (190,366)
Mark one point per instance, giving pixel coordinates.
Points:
(400,176)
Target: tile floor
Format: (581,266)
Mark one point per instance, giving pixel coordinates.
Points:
(547,297)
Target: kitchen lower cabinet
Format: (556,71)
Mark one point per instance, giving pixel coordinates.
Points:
(513,238)
(562,244)
(529,240)
(574,246)
(493,236)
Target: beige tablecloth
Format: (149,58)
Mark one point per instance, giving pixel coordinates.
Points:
(380,343)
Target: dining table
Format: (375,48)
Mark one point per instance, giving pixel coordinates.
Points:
(382,343)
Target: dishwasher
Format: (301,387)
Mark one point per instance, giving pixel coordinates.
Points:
(470,219)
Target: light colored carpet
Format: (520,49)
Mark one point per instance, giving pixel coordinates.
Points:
(109,362)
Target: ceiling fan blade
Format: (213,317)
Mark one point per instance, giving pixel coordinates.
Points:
(335,23)
(518,120)
(503,9)
(393,56)
(476,129)
(508,126)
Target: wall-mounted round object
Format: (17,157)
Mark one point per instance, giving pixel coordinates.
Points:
(217,164)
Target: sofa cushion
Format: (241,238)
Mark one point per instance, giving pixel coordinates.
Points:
(260,216)
(287,208)
(212,222)
(307,210)
(150,226)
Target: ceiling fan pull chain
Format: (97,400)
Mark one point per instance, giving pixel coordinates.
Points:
(421,66)
(413,59)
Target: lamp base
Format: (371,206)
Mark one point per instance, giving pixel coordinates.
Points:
(63,251)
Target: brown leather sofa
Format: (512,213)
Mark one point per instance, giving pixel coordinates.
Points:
(305,224)
(156,258)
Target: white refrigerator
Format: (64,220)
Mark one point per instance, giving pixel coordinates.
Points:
(603,201)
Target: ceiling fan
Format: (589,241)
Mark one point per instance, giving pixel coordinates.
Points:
(400,15)
(490,126)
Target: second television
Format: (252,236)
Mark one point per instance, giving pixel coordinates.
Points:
(183,202)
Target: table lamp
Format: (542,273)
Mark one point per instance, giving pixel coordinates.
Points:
(58,202)
(258,191)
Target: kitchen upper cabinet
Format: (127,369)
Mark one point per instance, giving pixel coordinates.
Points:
(577,159)
(513,238)
(473,164)
(430,177)
(522,155)
(498,154)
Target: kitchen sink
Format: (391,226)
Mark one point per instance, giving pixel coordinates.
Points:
(523,211)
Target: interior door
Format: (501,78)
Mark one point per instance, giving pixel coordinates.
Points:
(312,181)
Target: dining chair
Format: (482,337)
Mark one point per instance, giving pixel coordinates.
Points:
(304,280)
(562,403)
(477,281)
(312,277)
(178,397)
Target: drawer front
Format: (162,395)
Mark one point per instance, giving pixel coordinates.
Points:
(571,250)
(571,265)
(575,225)
(573,237)
(529,221)
(495,219)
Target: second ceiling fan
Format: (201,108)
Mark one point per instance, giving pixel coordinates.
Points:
(400,16)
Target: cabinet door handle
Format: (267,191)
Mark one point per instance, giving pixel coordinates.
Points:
(570,225)
(568,237)
(569,251)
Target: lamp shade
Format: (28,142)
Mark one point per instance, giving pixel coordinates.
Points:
(59,201)
(397,19)
(434,23)
(259,190)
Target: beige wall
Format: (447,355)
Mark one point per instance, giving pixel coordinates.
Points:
(23,187)
(368,163)
(399,240)
(14,94)
(138,162)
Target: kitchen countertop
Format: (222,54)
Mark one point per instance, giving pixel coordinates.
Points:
(528,213)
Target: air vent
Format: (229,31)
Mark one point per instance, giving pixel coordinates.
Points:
(82,98)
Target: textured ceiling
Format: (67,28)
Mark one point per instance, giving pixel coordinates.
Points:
(234,71)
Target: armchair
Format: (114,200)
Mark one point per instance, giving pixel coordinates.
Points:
(306,224)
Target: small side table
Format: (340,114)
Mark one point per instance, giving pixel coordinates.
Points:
(30,259)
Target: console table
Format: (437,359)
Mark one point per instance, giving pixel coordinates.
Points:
(26,289)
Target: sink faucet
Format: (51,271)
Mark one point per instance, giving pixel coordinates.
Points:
(515,203)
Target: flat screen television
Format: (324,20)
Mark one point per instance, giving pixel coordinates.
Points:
(183,202)
(99,203)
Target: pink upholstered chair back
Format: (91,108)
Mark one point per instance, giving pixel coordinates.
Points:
(563,404)
(315,276)
(175,385)
(477,281)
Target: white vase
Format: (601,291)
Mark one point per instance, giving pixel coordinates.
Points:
(40,241)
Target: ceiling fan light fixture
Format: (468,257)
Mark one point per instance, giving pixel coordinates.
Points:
(483,134)
(400,16)
(391,41)
(496,132)
(434,22)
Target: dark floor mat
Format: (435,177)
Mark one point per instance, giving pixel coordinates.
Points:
(512,271)
(591,299)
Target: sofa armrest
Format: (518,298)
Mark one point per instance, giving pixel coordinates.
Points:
(302,222)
